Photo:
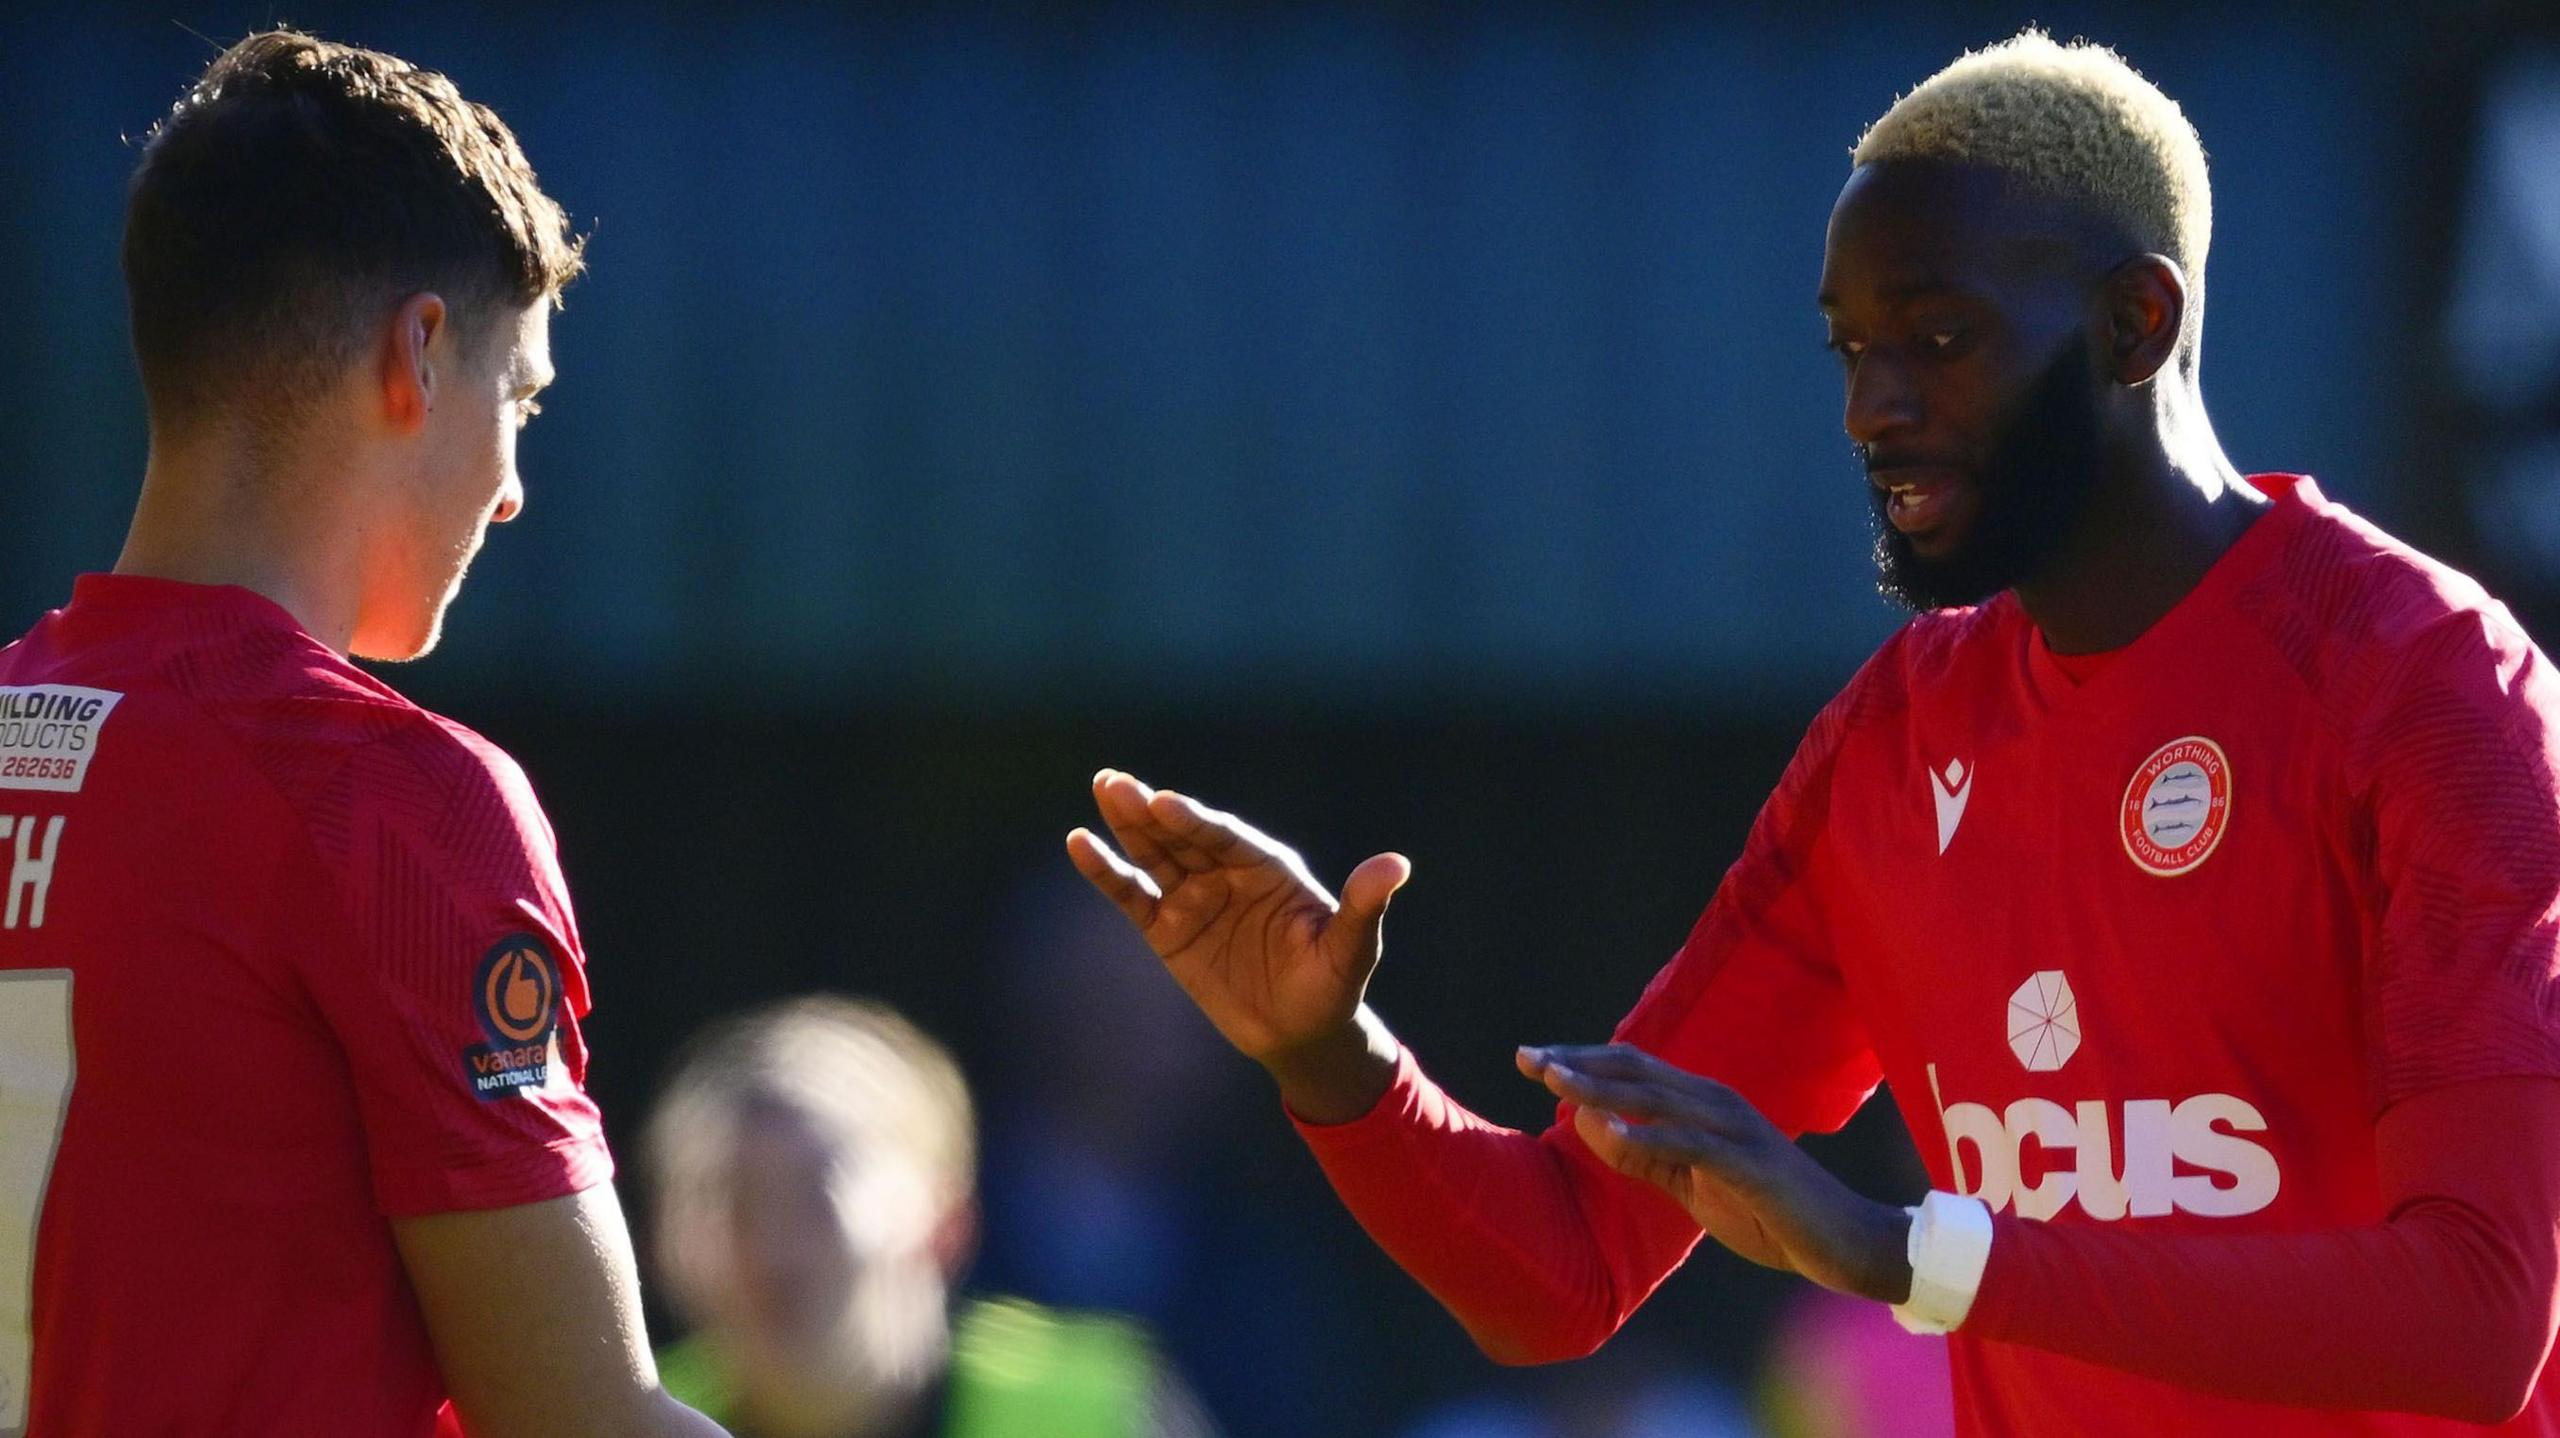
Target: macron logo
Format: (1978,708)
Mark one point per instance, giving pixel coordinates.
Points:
(1951,790)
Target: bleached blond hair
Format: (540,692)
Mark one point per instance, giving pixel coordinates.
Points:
(2074,123)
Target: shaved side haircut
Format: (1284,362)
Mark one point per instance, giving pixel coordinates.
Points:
(295,194)
(2072,123)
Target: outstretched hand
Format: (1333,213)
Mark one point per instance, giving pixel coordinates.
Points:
(1738,1176)
(1272,958)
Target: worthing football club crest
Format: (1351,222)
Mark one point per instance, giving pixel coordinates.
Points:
(2177,805)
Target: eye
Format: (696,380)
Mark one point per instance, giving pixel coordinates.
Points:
(1943,342)
(1845,348)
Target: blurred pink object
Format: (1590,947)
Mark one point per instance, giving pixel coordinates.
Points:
(1842,1368)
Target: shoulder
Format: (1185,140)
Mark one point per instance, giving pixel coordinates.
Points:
(374,776)
(297,712)
(430,798)
(449,773)
(2399,650)
(2446,714)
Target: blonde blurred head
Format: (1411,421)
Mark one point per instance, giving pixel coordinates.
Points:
(815,1170)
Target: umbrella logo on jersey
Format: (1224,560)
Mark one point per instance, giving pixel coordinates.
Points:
(2177,806)
(517,986)
(2044,1022)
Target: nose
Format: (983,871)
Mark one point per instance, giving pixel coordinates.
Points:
(510,501)
(1882,399)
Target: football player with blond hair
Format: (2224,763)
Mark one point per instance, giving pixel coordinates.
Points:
(2189,864)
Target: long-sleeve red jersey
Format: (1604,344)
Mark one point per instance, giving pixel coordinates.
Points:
(2227,976)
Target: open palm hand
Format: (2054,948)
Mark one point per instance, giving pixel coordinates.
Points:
(1269,955)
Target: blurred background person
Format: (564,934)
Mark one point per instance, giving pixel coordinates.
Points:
(815,1171)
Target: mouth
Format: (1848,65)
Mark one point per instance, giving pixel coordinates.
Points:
(1917,496)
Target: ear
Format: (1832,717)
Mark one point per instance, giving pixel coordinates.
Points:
(2145,300)
(412,347)
(955,1239)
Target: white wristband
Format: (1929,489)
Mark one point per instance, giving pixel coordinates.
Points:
(1950,1242)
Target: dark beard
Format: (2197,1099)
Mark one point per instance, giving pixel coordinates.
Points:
(2035,484)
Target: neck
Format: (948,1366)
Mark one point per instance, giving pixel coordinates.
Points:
(877,1384)
(2165,508)
(213,512)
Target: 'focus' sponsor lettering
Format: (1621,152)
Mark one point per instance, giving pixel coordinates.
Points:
(2043,1157)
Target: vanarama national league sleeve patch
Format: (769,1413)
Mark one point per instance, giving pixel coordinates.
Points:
(515,995)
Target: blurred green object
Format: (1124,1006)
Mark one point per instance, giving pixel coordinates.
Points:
(1018,1370)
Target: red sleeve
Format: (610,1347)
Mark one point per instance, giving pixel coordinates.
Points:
(2447,1308)
(457,1001)
(2458,765)
(1539,1249)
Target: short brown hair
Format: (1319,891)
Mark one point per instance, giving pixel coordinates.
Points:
(297,190)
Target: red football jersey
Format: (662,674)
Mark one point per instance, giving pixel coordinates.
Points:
(2155,949)
(282,955)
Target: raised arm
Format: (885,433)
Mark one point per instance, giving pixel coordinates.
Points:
(1271,958)
(1535,1245)
(1488,1219)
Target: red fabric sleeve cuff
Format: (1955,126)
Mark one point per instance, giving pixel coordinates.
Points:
(556,1170)
(1988,1318)
(1397,1112)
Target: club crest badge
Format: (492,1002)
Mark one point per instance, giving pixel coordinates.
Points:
(2177,806)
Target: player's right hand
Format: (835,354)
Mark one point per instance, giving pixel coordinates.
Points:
(1266,952)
